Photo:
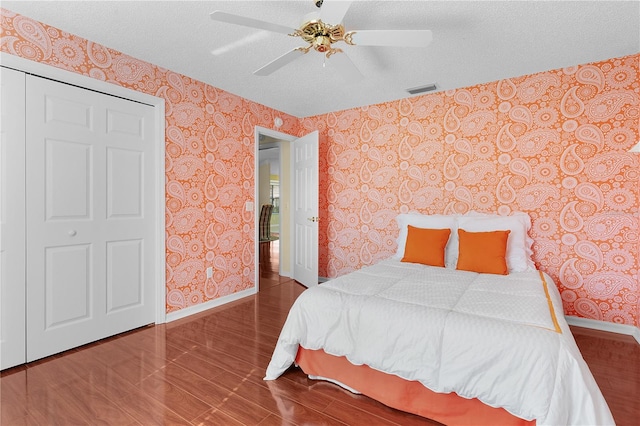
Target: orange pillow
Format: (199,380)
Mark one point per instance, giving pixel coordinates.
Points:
(426,246)
(483,252)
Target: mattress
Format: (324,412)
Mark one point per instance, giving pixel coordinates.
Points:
(500,339)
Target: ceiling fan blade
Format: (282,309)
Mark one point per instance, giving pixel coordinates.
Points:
(345,67)
(410,38)
(230,18)
(280,62)
(332,11)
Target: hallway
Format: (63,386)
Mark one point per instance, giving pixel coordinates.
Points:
(270,265)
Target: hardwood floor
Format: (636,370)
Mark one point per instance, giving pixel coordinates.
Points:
(614,361)
(207,370)
(270,265)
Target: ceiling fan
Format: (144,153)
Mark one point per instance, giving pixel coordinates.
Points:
(322,30)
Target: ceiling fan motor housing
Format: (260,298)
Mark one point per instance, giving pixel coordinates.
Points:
(320,35)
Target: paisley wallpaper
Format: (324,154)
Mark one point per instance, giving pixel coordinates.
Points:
(209,157)
(552,144)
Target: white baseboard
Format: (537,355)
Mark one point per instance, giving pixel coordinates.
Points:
(183,313)
(605,326)
(323,279)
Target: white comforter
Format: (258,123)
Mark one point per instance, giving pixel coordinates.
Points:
(486,336)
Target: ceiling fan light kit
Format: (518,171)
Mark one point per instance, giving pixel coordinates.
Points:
(321,36)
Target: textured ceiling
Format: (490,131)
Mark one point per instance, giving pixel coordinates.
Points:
(474,42)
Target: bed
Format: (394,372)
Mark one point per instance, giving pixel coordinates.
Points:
(430,331)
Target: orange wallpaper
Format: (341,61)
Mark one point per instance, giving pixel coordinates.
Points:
(209,157)
(552,144)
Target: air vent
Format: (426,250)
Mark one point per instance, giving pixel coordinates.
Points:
(422,89)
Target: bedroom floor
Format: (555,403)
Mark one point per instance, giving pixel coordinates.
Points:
(208,369)
(614,361)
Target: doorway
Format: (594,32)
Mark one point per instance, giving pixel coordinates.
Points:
(273,187)
(269,208)
(297,205)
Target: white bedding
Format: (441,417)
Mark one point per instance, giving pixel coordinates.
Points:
(491,337)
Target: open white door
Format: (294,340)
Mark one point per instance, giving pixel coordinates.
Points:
(305,209)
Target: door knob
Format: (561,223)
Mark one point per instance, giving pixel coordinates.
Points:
(314,219)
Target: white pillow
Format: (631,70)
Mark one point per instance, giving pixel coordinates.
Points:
(519,244)
(435,221)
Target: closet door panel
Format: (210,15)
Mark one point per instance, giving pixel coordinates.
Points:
(12,219)
(90,272)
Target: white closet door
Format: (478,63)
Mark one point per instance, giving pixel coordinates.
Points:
(12,226)
(90,219)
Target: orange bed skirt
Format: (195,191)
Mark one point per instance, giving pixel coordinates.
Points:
(409,396)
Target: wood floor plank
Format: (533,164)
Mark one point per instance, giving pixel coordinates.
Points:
(348,414)
(178,400)
(91,403)
(302,394)
(228,361)
(273,390)
(273,420)
(275,402)
(215,417)
(149,411)
(198,365)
